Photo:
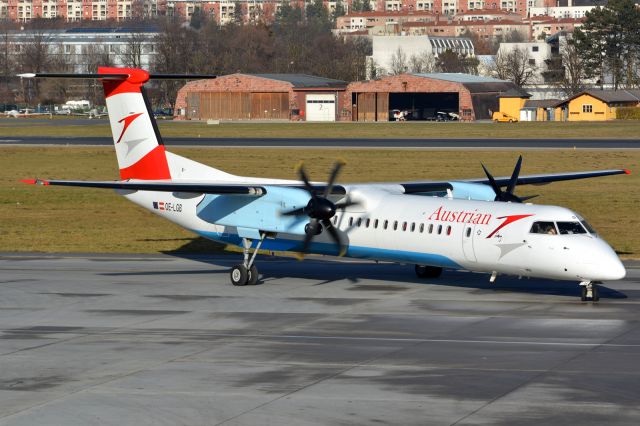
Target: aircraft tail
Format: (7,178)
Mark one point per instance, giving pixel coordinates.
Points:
(139,147)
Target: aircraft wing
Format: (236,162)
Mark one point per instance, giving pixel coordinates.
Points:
(196,188)
(541,179)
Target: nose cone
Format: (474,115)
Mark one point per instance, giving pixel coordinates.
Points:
(605,265)
(615,269)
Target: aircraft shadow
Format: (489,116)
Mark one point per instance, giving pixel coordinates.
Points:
(356,273)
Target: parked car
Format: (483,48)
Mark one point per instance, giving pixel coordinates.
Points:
(445,116)
(503,117)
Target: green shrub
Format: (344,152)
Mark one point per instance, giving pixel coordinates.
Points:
(628,113)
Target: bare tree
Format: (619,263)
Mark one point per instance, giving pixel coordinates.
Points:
(398,64)
(517,66)
(424,62)
(38,55)
(133,50)
(7,62)
(575,73)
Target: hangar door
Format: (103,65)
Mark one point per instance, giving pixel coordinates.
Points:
(321,107)
(423,106)
(237,106)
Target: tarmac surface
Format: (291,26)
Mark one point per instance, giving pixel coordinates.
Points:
(166,340)
(346,143)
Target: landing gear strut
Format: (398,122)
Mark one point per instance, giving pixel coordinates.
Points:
(428,271)
(247,272)
(589,291)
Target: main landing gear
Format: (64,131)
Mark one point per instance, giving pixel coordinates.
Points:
(247,272)
(428,271)
(589,291)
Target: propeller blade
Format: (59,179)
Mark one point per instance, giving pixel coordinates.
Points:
(307,240)
(335,235)
(492,182)
(345,204)
(332,177)
(305,179)
(295,212)
(514,176)
(528,197)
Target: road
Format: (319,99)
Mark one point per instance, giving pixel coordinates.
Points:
(166,340)
(348,143)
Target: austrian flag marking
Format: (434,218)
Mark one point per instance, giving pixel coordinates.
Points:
(127,122)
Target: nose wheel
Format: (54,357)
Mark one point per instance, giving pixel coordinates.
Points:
(246,273)
(589,291)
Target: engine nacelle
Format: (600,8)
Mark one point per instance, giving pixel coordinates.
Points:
(261,212)
(472,191)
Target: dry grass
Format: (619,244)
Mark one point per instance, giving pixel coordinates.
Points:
(427,130)
(34,218)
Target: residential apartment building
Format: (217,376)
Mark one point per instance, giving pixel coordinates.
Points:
(223,11)
(81,48)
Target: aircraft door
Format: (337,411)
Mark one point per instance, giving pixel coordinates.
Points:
(467,242)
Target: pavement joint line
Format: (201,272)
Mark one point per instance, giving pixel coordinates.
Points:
(399,339)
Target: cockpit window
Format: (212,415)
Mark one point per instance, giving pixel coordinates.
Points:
(543,228)
(566,228)
(588,227)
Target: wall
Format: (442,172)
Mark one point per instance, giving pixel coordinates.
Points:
(512,106)
(600,110)
(405,83)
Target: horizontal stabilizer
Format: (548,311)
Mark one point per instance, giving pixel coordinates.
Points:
(117,76)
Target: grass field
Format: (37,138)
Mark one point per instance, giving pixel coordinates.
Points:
(55,219)
(616,129)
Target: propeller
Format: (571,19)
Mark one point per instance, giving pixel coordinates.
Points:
(508,195)
(321,210)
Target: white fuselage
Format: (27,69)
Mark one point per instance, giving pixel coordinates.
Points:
(483,236)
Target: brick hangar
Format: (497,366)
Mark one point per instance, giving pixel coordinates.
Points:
(300,97)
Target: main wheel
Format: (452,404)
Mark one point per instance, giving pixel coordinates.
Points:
(428,271)
(595,295)
(583,296)
(239,275)
(253,275)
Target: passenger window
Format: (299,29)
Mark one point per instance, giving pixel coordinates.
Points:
(468,232)
(367,223)
(431,228)
(350,221)
(404,226)
(421,228)
(448,230)
(569,228)
(395,225)
(439,229)
(386,224)
(335,220)
(543,228)
(413,226)
(375,223)
(359,222)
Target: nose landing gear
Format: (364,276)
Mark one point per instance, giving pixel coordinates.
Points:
(589,291)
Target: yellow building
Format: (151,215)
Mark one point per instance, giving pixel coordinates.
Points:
(512,101)
(597,105)
(540,110)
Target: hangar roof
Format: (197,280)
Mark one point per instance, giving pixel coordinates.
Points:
(608,96)
(479,84)
(457,77)
(304,80)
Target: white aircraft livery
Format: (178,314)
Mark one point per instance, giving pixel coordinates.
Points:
(477,224)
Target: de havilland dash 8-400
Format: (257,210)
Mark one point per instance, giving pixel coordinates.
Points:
(475,224)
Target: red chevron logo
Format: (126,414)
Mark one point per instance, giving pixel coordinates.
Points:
(127,122)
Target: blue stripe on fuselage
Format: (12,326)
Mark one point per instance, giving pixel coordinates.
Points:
(280,244)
